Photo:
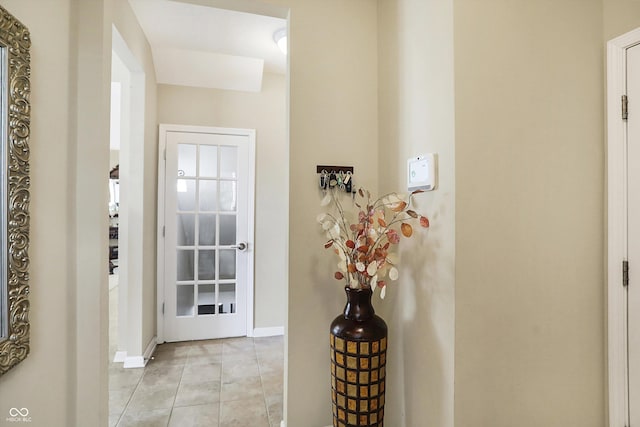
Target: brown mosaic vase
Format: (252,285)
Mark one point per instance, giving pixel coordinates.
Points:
(358,363)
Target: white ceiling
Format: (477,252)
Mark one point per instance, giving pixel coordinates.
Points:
(207,47)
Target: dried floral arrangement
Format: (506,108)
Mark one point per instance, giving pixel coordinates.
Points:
(365,242)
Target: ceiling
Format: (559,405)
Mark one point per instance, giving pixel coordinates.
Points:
(203,46)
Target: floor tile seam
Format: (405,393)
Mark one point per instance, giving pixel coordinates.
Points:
(124,409)
(170,415)
(175,397)
(264,399)
(177,390)
(197,404)
(150,409)
(142,390)
(240,398)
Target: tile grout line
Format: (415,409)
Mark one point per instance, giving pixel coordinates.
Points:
(178,386)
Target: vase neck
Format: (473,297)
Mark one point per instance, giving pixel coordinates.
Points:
(359,305)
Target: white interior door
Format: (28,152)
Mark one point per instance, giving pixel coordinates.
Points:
(633,230)
(207,243)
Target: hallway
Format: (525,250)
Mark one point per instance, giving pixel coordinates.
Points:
(214,383)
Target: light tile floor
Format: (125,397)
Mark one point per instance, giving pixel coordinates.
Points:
(234,382)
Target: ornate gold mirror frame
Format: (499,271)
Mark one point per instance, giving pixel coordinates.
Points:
(15,71)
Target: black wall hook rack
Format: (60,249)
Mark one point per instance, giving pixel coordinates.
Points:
(336,176)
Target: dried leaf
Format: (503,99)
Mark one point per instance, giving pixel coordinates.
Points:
(360,266)
(381,222)
(393,237)
(350,244)
(338,275)
(406,229)
(392,198)
(333,232)
(372,268)
(381,284)
(351,268)
(360,192)
(328,244)
(412,214)
(326,200)
(363,249)
(399,207)
(424,221)
(383,292)
(393,273)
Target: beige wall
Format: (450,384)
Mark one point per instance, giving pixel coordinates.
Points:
(333,115)
(529,213)
(620,16)
(415,118)
(51,329)
(266,112)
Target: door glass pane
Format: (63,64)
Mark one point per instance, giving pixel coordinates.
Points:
(184,300)
(227,229)
(206,299)
(206,265)
(207,232)
(228,196)
(184,265)
(186,195)
(186,160)
(186,230)
(208,193)
(228,264)
(227,298)
(209,161)
(228,162)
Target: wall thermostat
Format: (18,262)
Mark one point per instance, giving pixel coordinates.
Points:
(422,173)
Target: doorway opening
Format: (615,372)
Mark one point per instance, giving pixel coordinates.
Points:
(125,210)
(198,106)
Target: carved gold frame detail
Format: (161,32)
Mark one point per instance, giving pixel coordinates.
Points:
(15,109)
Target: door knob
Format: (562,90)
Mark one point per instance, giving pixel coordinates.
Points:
(242,246)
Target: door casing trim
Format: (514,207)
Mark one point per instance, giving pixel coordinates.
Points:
(617,372)
(162,145)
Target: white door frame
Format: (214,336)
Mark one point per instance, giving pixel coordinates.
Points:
(162,144)
(131,349)
(618,389)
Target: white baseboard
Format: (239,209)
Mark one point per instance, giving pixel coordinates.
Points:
(268,332)
(151,348)
(133,362)
(141,361)
(119,357)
